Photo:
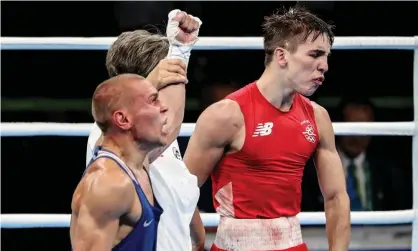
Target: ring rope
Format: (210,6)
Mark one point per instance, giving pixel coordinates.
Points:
(212,219)
(83,129)
(204,43)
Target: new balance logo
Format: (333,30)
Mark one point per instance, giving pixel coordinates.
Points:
(147,223)
(263,129)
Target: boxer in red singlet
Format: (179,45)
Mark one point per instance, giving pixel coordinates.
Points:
(255,144)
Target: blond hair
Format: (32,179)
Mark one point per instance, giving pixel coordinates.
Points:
(137,52)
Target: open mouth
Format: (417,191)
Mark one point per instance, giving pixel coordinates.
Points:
(318,81)
(164,129)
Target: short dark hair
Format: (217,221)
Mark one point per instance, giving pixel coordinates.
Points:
(108,96)
(289,28)
(136,52)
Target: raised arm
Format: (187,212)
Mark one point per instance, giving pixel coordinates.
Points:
(332,183)
(172,74)
(182,34)
(215,129)
(99,201)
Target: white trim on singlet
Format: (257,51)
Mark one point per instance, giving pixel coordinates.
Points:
(103,153)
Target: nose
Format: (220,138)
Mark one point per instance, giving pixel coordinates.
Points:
(323,66)
(163,108)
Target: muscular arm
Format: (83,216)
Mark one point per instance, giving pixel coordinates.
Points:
(215,129)
(97,205)
(332,183)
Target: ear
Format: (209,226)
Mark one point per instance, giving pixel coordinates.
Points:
(280,55)
(122,120)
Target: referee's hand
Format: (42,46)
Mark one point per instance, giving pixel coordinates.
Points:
(168,72)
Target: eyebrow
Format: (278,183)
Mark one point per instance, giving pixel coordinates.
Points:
(320,51)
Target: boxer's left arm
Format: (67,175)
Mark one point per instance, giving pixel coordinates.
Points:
(332,183)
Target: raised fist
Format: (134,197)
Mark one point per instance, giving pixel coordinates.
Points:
(182,28)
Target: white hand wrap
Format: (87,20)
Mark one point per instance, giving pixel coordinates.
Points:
(179,49)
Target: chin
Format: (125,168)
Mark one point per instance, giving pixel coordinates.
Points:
(163,141)
(307,93)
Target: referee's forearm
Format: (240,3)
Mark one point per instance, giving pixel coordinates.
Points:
(174,97)
(197,231)
(337,212)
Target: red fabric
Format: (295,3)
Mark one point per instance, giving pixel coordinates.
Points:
(266,174)
(301,247)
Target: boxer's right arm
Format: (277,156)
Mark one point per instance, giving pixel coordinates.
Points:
(174,97)
(215,129)
(182,34)
(170,79)
(102,199)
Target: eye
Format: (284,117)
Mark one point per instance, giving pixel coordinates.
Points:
(155,101)
(316,54)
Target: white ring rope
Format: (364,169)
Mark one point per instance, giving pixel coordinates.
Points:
(225,43)
(83,129)
(212,219)
(204,43)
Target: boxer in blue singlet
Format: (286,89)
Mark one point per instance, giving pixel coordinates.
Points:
(113,206)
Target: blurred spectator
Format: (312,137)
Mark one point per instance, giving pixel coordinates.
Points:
(217,91)
(374,181)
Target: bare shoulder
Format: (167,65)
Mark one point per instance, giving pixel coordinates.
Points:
(222,120)
(323,121)
(320,112)
(226,112)
(106,188)
(324,124)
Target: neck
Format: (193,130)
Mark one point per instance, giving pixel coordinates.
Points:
(276,90)
(126,149)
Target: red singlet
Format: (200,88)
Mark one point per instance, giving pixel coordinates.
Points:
(263,180)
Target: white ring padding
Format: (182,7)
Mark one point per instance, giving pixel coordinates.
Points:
(204,43)
(212,220)
(83,129)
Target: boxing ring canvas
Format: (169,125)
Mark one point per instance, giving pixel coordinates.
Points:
(231,43)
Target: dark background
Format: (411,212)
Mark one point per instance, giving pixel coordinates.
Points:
(39,174)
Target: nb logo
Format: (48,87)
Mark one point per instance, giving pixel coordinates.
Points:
(263,129)
(147,223)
